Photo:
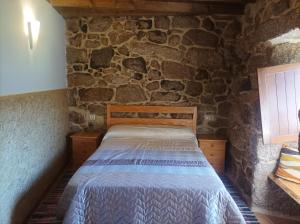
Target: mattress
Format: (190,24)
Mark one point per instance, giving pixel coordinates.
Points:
(148,174)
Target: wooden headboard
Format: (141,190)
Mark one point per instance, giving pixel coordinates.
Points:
(188,122)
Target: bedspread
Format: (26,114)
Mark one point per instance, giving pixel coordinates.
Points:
(127,180)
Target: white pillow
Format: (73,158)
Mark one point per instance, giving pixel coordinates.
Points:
(150,131)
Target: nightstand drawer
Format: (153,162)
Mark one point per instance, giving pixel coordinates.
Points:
(84,144)
(214,154)
(208,145)
(214,151)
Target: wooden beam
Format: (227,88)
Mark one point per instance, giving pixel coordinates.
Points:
(69,8)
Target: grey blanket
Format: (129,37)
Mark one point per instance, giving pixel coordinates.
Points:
(128,180)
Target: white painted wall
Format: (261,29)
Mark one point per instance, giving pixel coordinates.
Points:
(23,70)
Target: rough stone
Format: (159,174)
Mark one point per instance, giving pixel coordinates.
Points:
(124,50)
(138,76)
(96,94)
(201,38)
(154,74)
(171,85)
(150,49)
(280,6)
(204,57)
(93,36)
(104,41)
(202,74)
(244,84)
(232,30)
(208,24)
(207,99)
(194,88)
(155,64)
(77,67)
(92,44)
(174,40)
(76,117)
(72,97)
(137,64)
(100,24)
(217,86)
(119,37)
(76,40)
(224,109)
(157,36)
(152,85)
(72,25)
(223,74)
(165,96)
(219,122)
(101,58)
(174,70)
(97,109)
(144,24)
(80,79)
(130,94)
(76,55)
(162,22)
(84,28)
(185,22)
(116,79)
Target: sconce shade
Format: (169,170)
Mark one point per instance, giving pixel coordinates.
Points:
(33,28)
(30,39)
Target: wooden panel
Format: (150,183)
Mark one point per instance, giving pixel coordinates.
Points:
(292,189)
(152,109)
(69,8)
(280,100)
(271,105)
(152,121)
(297,84)
(281,104)
(291,101)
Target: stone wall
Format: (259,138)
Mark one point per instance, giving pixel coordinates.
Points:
(251,160)
(150,60)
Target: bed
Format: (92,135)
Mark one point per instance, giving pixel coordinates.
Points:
(148,170)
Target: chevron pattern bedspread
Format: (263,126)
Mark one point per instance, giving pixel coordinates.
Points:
(119,185)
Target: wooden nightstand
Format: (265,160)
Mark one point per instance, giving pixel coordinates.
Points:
(84,144)
(214,150)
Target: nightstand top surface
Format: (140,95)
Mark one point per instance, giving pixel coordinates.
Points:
(92,134)
(211,138)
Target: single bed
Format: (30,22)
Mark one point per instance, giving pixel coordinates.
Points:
(148,170)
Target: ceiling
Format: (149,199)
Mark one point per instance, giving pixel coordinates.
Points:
(70,8)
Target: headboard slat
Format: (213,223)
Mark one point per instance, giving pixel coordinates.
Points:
(152,121)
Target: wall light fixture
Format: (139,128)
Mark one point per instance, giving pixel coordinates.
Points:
(31,27)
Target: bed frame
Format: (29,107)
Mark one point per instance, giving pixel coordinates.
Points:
(192,122)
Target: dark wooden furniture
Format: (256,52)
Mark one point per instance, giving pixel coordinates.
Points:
(214,150)
(83,146)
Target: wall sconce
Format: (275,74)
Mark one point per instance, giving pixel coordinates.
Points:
(31,27)
(33,32)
